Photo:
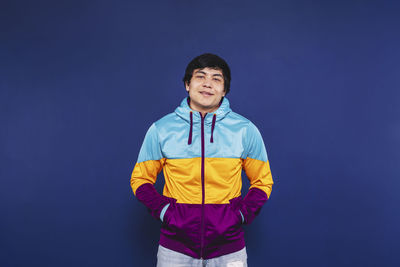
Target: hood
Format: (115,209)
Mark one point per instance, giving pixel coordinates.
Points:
(191,116)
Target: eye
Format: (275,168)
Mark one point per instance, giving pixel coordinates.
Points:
(217,79)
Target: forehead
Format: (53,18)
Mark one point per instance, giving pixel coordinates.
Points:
(209,71)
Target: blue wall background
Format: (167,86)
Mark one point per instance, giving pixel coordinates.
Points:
(81,81)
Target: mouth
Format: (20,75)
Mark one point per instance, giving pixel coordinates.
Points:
(206,93)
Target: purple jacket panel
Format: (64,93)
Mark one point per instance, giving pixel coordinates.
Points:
(181,230)
(148,195)
(252,204)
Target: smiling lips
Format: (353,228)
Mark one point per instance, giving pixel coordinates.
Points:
(206,94)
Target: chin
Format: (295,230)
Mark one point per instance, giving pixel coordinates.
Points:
(207,105)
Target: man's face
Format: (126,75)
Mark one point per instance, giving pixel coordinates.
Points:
(206,89)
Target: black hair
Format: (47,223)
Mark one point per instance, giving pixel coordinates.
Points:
(212,61)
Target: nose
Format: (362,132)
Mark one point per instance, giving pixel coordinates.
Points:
(207,82)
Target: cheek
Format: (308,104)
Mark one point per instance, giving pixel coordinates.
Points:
(221,91)
(220,88)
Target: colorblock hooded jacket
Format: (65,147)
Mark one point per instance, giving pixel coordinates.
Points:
(202,158)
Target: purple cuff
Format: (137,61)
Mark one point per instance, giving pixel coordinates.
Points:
(252,203)
(148,195)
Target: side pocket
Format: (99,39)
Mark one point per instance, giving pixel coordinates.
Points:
(235,206)
(169,212)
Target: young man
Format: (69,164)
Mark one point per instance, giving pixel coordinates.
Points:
(202,148)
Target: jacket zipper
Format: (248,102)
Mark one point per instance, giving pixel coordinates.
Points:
(202,183)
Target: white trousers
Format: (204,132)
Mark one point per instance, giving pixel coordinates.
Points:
(170,258)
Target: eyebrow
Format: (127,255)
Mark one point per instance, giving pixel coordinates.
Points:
(202,72)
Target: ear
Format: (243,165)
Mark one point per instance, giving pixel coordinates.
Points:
(187,86)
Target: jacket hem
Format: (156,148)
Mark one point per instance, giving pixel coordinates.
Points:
(222,249)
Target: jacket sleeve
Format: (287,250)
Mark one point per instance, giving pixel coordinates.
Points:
(149,165)
(256,166)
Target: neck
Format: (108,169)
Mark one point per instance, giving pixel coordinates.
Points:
(203,111)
